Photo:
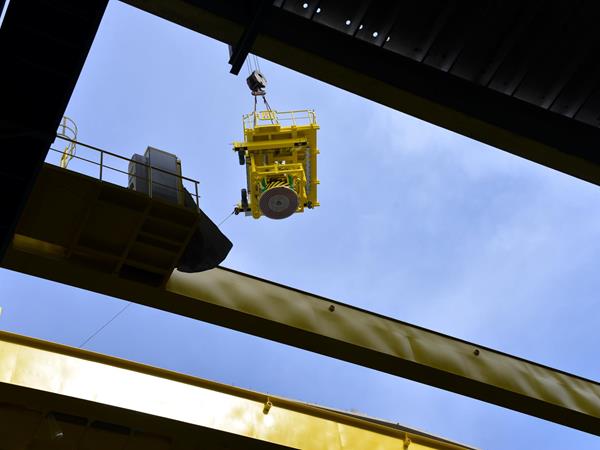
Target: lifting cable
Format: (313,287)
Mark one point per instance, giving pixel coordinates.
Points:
(225,219)
(95,333)
(257,84)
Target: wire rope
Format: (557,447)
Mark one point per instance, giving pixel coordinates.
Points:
(95,333)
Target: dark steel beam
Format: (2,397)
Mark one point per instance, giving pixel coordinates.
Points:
(459,105)
(36,86)
(239,52)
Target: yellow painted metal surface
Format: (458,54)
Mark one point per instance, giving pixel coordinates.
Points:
(280,152)
(101,225)
(307,321)
(279,313)
(74,373)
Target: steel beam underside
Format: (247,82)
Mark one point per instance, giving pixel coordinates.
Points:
(43,46)
(393,80)
(275,312)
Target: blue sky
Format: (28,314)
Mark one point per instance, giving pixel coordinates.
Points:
(416,222)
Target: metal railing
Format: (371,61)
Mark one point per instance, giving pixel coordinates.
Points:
(68,130)
(106,170)
(301,117)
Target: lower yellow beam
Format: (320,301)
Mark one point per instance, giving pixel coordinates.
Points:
(72,373)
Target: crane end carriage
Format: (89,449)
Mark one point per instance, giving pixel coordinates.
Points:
(280,154)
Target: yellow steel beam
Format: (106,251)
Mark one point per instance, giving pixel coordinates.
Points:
(314,323)
(269,145)
(42,368)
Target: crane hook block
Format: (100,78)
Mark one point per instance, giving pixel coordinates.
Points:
(257,83)
(279,152)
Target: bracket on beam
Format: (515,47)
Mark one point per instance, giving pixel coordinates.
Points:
(239,52)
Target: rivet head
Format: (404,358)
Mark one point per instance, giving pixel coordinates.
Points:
(476,352)
(332,308)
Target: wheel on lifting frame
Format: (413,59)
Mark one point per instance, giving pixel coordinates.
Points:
(242,157)
(278,202)
(244,200)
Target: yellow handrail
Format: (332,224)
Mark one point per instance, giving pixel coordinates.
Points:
(284,118)
(67,129)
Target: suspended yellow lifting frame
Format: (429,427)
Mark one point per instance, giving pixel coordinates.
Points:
(77,379)
(280,153)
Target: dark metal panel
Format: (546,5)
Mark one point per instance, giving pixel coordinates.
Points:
(461,24)
(417,27)
(566,48)
(590,110)
(378,20)
(539,40)
(303,8)
(493,25)
(345,17)
(240,50)
(402,83)
(515,31)
(581,85)
(43,46)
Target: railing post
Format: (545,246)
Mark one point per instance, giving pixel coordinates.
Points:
(149,165)
(101,163)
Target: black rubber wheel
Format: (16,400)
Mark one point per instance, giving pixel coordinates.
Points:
(244,200)
(278,202)
(242,157)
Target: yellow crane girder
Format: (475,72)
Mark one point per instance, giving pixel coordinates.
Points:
(58,397)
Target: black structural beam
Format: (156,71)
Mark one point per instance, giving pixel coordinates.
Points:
(396,81)
(239,52)
(43,46)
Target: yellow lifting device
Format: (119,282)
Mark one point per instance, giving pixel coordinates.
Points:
(280,154)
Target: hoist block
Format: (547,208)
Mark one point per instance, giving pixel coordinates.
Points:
(280,154)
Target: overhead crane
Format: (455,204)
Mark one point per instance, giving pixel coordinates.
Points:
(42,247)
(236,300)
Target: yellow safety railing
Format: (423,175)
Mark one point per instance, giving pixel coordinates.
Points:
(68,130)
(296,118)
(99,156)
